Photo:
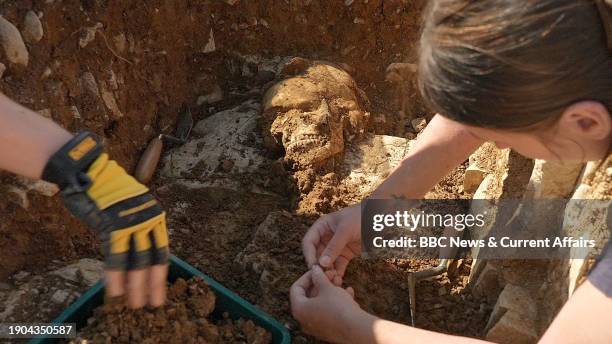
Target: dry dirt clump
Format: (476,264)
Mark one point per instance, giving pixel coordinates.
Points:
(184,319)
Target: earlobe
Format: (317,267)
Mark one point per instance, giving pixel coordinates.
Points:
(589,119)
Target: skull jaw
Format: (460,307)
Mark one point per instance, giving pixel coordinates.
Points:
(313,150)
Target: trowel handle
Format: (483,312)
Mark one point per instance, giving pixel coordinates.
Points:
(149,160)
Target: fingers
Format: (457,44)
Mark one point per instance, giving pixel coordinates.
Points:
(319,278)
(297,293)
(157,285)
(330,274)
(115,283)
(310,243)
(137,288)
(341,264)
(333,249)
(141,285)
(351,291)
(337,281)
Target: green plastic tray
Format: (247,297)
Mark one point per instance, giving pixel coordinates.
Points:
(227,301)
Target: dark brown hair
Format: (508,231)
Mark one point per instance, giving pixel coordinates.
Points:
(512,64)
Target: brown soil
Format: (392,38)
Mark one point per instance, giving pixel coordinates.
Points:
(184,319)
(163,67)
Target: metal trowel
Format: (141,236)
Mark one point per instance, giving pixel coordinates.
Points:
(150,157)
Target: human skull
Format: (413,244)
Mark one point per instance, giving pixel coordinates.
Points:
(312,113)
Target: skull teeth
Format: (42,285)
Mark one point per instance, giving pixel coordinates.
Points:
(306,140)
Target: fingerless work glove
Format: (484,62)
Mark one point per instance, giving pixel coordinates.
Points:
(130,222)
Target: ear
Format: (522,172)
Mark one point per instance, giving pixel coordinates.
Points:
(586,119)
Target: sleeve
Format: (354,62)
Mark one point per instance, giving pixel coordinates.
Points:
(601,274)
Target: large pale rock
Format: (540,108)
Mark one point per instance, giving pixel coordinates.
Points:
(87,270)
(506,178)
(474,175)
(587,216)
(513,298)
(513,319)
(551,179)
(226,139)
(368,162)
(486,157)
(488,280)
(12,43)
(40,297)
(513,328)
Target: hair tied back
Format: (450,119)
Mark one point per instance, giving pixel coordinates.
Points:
(605,12)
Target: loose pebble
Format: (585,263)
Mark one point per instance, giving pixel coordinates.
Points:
(120,43)
(46,73)
(210,45)
(89,83)
(110,102)
(21,275)
(32,28)
(60,296)
(418,124)
(12,43)
(213,97)
(89,34)
(18,196)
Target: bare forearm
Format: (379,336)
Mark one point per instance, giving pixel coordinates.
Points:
(585,318)
(27,140)
(442,146)
(366,328)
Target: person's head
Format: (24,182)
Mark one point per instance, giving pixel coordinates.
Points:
(532,75)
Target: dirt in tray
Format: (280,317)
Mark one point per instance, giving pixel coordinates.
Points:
(185,318)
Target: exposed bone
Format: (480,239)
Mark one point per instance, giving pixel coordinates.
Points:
(312,114)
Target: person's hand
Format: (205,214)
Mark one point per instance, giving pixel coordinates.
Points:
(322,309)
(130,222)
(334,240)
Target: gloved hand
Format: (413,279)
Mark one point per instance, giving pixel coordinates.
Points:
(130,222)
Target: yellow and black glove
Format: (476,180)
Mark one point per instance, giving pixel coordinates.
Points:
(130,222)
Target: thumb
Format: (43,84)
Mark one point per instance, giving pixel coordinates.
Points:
(319,278)
(333,249)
